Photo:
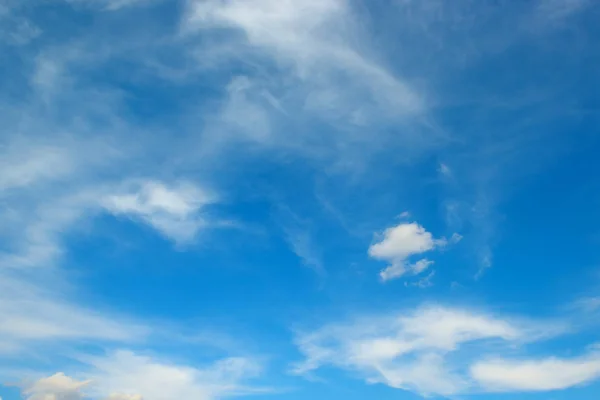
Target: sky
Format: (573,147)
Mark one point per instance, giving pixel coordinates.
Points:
(299,199)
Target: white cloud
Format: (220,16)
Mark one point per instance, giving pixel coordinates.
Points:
(62,387)
(535,375)
(24,165)
(61,159)
(315,44)
(34,228)
(52,189)
(124,375)
(127,372)
(297,233)
(416,350)
(173,210)
(404,214)
(422,283)
(302,245)
(401,242)
(32,316)
(55,387)
(45,194)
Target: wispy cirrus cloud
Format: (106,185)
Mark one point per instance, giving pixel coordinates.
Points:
(33,318)
(315,40)
(307,64)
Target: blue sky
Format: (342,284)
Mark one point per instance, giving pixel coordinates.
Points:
(279,199)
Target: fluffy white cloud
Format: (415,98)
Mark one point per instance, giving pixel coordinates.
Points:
(420,350)
(401,242)
(535,375)
(62,387)
(56,387)
(173,210)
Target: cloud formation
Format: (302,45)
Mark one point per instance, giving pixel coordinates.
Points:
(174,210)
(425,350)
(32,316)
(86,108)
(498,375)
(314,39)
(307,66)
(398,244)
(55,387)
(124,375)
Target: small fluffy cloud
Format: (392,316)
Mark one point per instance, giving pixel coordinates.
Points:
(411,350)
(173,210)
(56,387)
(535,375)
(401,242)
(62,387)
